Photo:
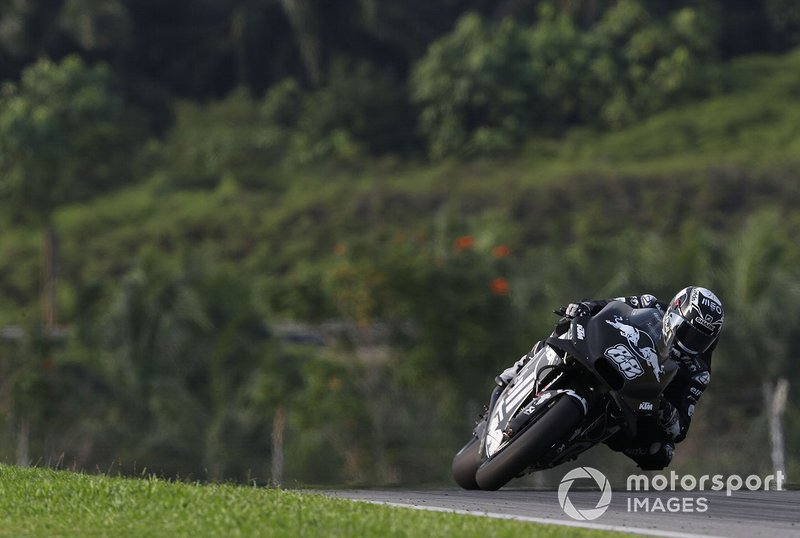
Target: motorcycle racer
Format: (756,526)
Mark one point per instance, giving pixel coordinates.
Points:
(691,324)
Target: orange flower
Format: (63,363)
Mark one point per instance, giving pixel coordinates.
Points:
(499,286)
(501,251)
(335,384)
(464,242)
(340,249)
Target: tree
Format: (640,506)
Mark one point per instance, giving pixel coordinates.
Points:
(761,292)
(486,86)
(474,88)
(27,30)
(641,64)
(186,350)
(63,138)
(97,25)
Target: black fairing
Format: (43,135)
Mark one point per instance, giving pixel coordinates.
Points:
(619,346)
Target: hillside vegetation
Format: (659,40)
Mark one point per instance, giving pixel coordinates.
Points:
(276,288)
(714,161)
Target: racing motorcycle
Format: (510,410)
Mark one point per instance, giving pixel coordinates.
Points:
(593,377)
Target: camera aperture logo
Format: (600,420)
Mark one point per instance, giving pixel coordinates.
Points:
(589,513)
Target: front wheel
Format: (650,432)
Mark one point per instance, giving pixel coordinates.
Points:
(556,423)
(466,463)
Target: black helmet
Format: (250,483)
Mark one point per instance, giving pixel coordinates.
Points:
(692,322)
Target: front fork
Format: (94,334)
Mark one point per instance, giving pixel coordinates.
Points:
(483,419)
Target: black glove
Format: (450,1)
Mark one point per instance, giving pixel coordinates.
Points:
(576,310)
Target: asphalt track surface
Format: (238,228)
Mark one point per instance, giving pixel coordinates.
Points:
(773,514)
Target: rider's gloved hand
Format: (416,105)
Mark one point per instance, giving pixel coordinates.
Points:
(668,419)
(574,310)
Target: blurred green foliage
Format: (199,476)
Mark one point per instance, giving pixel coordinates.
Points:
(359,228)
(485,87)
(63,136)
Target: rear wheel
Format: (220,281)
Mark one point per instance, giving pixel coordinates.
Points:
(556,423)
(466,463)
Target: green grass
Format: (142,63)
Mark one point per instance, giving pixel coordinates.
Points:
(40,502)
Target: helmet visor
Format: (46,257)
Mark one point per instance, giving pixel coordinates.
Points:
(690,339)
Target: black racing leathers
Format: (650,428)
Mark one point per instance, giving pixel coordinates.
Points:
(652,448)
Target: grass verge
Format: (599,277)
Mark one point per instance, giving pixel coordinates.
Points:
(40,502)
